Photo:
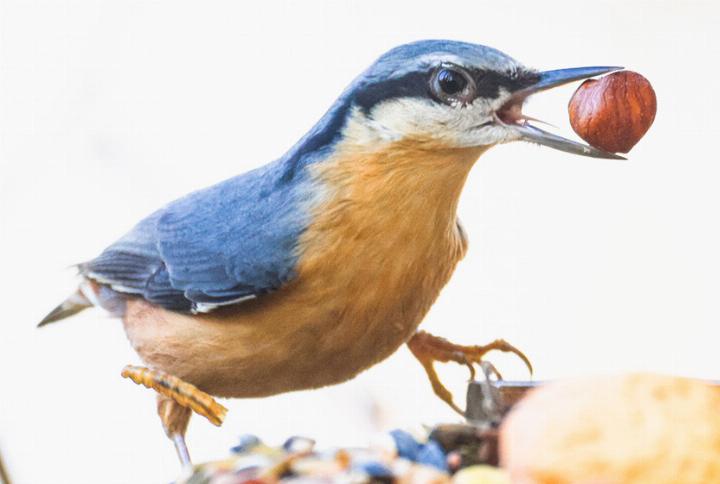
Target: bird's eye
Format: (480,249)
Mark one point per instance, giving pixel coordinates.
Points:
(452,84)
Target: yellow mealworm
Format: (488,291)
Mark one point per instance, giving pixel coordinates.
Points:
(184,393)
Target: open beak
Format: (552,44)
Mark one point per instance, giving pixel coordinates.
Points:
(510,115)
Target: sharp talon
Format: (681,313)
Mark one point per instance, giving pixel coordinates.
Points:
(429,349)
(498,375)
(472,371)
(522,356)
(506,347)
(528,365)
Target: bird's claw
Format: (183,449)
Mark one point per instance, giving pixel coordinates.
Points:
(473,355)
(428,349)
(482,364)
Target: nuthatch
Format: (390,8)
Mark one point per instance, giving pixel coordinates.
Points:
(308,270)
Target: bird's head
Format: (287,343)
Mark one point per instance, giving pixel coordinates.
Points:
(456,95)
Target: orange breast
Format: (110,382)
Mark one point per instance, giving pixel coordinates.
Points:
(383,243)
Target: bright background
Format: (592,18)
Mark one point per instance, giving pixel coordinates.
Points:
(109,109)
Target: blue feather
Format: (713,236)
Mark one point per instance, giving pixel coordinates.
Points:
(239,238)
(234,240)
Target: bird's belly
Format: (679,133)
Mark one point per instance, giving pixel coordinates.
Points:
(360,292)
(323,328)
(382,242)
(283,342)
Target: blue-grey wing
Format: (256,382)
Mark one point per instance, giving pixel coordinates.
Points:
(218,246)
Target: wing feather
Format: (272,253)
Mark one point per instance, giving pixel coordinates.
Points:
(221,245)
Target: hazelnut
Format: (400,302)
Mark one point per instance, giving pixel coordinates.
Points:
(612,113)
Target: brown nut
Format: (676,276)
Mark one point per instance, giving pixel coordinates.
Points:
(612,113)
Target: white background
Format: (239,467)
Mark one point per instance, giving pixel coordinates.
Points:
(109,109)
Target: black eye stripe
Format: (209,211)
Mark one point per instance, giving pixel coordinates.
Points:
(412,84)
(489,83)
(417,84)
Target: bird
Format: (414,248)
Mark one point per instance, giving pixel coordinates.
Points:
(307,270)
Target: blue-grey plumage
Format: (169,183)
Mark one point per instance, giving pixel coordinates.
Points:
(305,271)
(215,246)
(238,239)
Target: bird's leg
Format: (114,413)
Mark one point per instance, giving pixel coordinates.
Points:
(175,419)
(428,349)
(177,400)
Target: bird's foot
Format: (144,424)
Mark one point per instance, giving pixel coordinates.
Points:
(184,394)
(175,419)
(428,349)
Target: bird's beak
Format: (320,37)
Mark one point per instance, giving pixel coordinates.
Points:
(510,115)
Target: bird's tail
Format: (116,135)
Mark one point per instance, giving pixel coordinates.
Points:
(75,303)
